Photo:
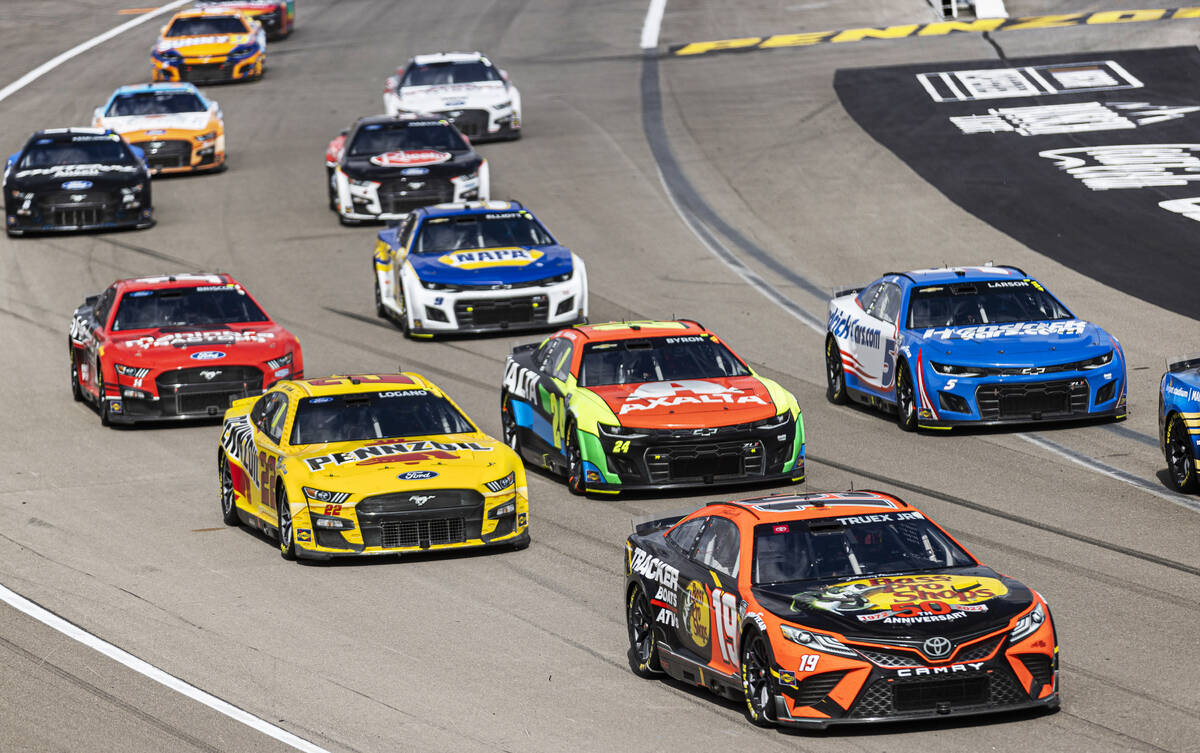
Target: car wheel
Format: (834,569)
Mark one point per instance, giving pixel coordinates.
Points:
(329,183)
(380,311)
(835,373)
(906,400)
(228,498)
(1181,464)
(102,402)
(508,423)
(76,391)
(575,481)
(402,304)
(287,534)
(643,647)
(756,680)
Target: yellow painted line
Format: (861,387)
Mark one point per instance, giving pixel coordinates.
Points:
(134,11)
(935,428)
(602,491)
(937,29)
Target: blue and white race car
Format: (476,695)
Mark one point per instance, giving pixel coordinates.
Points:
(1179,421)
(477,266)
(969,345)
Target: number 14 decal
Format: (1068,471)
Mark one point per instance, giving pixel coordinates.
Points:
(726,619)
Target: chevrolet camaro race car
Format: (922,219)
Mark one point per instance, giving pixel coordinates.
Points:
(476,267)
(368,464)
(175,347)
(463,87)
(277,17)
(969,345)
(648,405)
(76,179)
(177,127)
(384,167)
(1179,421)
(825,609)
(210,45)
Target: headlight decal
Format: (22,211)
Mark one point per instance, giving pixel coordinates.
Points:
(501,484)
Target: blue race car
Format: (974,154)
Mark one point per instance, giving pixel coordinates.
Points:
(1179,421)
(969,345)
(477,266)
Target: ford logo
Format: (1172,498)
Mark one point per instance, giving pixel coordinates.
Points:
(417,475)
(207,355)
(415,171)
(76,185)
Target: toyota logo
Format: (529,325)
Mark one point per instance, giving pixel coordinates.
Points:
(937,648)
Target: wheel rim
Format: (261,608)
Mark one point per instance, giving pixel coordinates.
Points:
(508,424)
(755,671)
(640,633)
(226,488)
(1179,456)
(833,369)
(285,523)
(904,397)
(574,460)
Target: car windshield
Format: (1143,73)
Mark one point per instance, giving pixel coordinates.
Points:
(173,307)
(376,415)
(104,149)
(379,138)
(657,359)
(154,103)
(501,229)
(434,74)
(802,550)
(199,25)
(967,303)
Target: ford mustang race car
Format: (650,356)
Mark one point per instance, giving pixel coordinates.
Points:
(278,17)
(824,609)
(648,405)
(175,347)
(463,87)
(76,179)
(476,267)
(176,126)
(1179,421)
(384,167)
(210,45)
(969,345)
(368,464)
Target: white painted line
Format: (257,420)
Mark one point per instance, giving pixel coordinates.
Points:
(154,673)
(50,65)
(652,24)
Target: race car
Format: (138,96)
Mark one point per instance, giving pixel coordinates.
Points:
(479,266)
(969,345)
(641,405)
(278,17)
(833,608)
(463,87)
(368,464)
(210,45)
(175,347)
(177,127)
(76,179)
(384,167)
(1179,421)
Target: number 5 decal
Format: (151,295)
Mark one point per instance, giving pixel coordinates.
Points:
(726,619)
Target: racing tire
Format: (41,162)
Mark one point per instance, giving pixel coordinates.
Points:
(643,645)
(229,512)
(333,203)
(1181,463)
(76,391)
(508,424)
(287,533)
(575,483)
(755,666)
(101,401)
(906,399)
(835,373)
(402,302)
(380,311)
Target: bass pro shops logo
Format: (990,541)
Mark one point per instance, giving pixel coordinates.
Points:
(686,391)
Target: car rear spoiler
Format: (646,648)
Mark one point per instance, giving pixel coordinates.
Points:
(648,524)
(1183,363)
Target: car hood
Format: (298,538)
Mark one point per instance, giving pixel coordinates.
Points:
(962,602)
(439,97)
(459,460)
(204,45)
(179,121)
(689,403)
(190,346)
(492,266)
(430,163)
(98,177)
(1019,344)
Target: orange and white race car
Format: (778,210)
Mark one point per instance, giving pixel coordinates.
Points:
(178,128)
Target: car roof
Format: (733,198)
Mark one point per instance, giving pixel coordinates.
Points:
(166,282)
(165,86)
(449,57)
(637,329)
(402,117)
(207,11)
(346,384)
(813,506)
(454,209)
(949,275)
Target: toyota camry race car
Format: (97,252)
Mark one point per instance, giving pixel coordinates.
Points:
(969,345)
(648,405)
(175,347)
(277,17)
(824,609)
(463,87)
(384,167)
(176,126)
(1179,421)
(369,464)
(210,45)
(476,267)
(76,179)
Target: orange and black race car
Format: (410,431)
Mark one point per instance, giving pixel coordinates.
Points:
(834,608)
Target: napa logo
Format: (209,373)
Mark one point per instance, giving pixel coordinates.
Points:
(491,257)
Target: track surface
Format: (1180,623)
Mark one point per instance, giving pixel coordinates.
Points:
(119,532)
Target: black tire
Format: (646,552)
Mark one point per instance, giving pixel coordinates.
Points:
(756,680)
(380,311)
(76,390)
(508,424)
(229,512)
(1181,460)
(402,303)
(643,645)
(329,185)
(101,402)
(575,482)
(906,400)
(835,373)
(287,533)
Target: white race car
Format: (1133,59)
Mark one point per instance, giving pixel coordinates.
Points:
(462,86)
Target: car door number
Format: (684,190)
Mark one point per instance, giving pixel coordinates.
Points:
(726,621)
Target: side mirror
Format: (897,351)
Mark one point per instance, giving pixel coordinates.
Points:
(12,160)
(91,300)
(344,132)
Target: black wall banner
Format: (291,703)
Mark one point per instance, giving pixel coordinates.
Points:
(1092,160)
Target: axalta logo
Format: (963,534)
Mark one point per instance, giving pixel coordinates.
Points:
(1016,329)
(491,257)
(411,158)
(685,392)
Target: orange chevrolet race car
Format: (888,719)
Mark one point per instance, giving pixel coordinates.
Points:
(208,46)
(834,608)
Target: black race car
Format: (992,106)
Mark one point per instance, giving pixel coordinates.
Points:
(76,179)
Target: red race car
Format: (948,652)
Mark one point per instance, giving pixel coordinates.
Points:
(176,347)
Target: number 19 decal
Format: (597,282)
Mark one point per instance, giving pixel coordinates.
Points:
(726,619)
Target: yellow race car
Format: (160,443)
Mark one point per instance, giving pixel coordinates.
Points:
(368,464)
(211,45)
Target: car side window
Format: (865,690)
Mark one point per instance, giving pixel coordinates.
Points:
(719,547)
(867,296)
(683,535)
(561,366)
(547,356)
(274,416)
(104,305)
(886,305)
(405,234)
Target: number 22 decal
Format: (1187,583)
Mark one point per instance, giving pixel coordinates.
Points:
(726,619)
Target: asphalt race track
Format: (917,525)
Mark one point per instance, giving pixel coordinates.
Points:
(732,188)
